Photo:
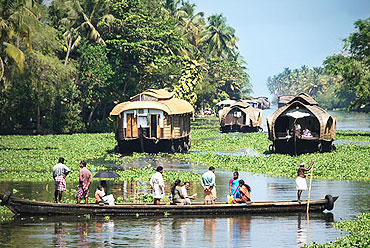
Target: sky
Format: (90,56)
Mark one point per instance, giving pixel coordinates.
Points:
(274,34)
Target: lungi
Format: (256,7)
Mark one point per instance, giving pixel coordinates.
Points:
(301,183)
(210,195)
(81,193)
(60,183)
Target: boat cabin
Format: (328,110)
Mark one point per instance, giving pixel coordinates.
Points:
(153,121)
(301,126)
(241,117)
(223,104)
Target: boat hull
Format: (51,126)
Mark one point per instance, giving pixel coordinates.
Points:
(154,145)
(27,207)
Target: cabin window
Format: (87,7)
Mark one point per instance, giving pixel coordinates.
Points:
(131,130)
(237,114)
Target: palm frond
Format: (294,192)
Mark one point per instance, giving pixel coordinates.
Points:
(15,54)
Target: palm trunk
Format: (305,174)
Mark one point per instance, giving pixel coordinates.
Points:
(91,114)
(68,51)
(2,68)
(38,126)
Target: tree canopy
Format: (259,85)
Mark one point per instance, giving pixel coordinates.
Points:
(342,82)
(71,61)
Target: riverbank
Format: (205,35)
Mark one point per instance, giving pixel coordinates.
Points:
(359,233)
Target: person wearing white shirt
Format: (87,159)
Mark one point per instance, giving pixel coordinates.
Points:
(184,191)
(157,185)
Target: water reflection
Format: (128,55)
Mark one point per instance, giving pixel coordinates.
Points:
(238,229)
(301,233)
(83,233)
(60,234)
(231,231)
(158,235)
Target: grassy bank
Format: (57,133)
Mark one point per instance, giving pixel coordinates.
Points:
(359,233)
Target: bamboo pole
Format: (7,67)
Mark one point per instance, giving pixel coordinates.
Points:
(308,206)
(309,191)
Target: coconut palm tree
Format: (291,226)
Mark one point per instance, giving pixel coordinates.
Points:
(18,20)
(220,38)
(193,27)
(80,19)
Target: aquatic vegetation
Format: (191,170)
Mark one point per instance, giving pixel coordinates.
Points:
(31,158)
(5,214)
(359,233)
(348,162)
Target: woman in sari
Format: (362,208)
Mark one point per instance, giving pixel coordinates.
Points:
(244,191)
(177,196)
(234,186)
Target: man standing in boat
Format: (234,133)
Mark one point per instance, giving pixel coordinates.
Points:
(300,181)
(84,184)
(209,185)
(60,171)
(157,185)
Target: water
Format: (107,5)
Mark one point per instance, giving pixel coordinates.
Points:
(282,230)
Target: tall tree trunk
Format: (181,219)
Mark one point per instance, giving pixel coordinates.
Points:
(91,114)
(2,68)
(38,126)
(69,50)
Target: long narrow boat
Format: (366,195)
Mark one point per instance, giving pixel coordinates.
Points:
(27,207)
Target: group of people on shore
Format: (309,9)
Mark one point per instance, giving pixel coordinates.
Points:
(60,172)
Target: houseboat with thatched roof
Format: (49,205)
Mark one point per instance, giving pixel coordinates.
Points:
(241,117)
(284,99)
(153,121)
(301,126)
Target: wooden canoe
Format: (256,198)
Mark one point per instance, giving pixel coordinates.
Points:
(27,207)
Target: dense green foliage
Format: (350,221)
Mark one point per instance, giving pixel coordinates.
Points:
(359,233)
(353,66)
(64,66)
(343,82)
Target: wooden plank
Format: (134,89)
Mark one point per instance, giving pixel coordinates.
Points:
(129,128)
(158,126)
(135,131)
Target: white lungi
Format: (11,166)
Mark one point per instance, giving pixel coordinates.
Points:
(301,183)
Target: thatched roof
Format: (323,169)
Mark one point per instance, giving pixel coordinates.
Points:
(244,106)
(307,103)
(304,98)
(160,94)
(284,99)
(171,106)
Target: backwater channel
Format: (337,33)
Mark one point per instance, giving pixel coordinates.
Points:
(272,230)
